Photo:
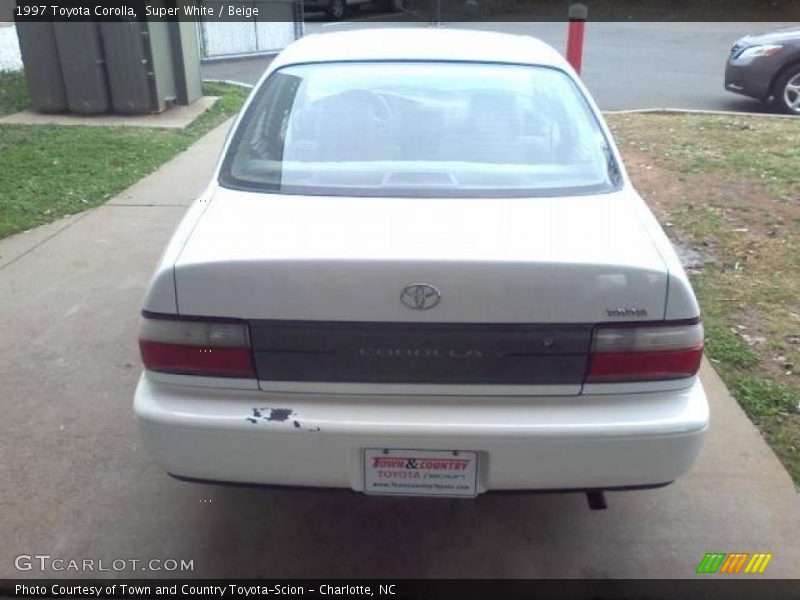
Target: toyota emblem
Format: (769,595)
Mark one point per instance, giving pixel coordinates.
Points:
(420,296)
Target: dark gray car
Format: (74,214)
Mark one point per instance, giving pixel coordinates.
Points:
(767,66)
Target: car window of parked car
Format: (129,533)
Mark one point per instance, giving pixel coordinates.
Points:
(420,129)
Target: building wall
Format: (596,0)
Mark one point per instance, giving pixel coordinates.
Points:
(9,48)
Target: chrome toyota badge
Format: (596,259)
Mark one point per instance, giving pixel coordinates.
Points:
(420,296)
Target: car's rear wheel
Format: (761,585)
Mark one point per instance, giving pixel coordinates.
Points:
(787,90)
(336,9)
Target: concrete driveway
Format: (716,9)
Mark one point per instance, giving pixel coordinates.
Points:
(627,65)
(76,484)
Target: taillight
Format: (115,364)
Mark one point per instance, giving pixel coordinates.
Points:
(196,347)
(645,351)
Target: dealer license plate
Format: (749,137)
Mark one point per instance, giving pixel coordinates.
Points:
(420,472)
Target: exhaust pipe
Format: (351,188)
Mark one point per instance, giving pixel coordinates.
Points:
(597,500)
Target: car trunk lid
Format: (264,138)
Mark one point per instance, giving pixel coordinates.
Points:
(506,260)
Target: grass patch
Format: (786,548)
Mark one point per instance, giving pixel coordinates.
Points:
(53,171)
(702,144)
(762,397)
(13,92)
(729,188)
(724,346)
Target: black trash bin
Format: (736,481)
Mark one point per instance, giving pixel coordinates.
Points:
(37,44)
(83,69)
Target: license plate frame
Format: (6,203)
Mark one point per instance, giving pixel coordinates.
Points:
(416,472)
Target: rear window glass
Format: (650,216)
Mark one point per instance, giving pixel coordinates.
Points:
(419,129)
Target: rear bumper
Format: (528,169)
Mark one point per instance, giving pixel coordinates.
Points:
(525,443)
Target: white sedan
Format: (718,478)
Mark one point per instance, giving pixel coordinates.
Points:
(420,268)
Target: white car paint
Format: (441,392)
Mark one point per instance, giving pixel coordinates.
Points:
(577,442)
(269,258)
(565,260)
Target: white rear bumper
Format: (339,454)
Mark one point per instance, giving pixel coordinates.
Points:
(566,442)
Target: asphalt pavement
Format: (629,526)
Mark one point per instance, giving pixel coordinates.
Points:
(627,65)
(77,484)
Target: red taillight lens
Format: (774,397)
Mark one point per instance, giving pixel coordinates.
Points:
(196,347)
(645,352)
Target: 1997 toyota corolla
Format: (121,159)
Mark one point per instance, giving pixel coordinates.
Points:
(421,268)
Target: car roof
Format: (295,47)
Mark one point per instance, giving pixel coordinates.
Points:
(420,44)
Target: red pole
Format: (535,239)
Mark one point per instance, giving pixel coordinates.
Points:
(577,26)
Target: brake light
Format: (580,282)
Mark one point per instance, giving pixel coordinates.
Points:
(212,348)
(645,351)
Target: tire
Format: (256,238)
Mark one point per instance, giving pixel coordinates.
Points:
(787,90)
(337,9)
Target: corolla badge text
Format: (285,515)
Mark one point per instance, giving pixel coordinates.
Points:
(420,353)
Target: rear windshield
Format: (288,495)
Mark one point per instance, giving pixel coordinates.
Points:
(419,129)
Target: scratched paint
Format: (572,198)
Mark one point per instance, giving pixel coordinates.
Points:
(270,414)
(277,415)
